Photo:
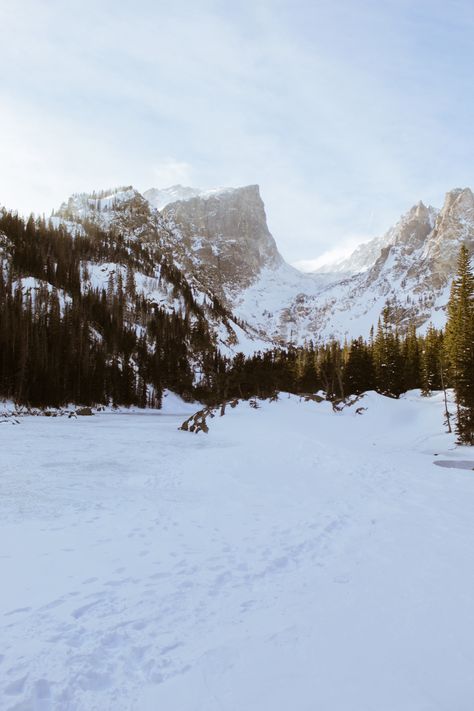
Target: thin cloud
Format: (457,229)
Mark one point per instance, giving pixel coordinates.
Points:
(170,171)
(335,109)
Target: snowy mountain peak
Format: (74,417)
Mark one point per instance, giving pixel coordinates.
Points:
(413,227)
(458,205)
(460,194)
(415,224)
(454,226)
(103,205)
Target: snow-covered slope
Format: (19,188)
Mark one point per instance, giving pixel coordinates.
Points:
(281,303)
(145,568)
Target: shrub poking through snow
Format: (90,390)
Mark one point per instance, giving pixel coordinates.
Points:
(197,422)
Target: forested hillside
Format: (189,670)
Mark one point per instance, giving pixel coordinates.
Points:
(62,340)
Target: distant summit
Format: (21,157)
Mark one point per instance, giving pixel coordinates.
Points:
(418,220)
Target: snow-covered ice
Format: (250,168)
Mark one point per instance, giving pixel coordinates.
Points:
(292,558)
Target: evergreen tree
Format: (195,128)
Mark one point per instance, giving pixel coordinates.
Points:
(359,373)
(411,360)
(460,346)
(388,358)
(432,360)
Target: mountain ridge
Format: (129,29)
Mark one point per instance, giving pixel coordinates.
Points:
(220,241)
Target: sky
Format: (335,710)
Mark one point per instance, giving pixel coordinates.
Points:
(345,113)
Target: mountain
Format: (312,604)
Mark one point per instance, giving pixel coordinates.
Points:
(91,311)
(160,198)
(219,242)
(222,238)
(412,273)
(454,226)
(366,254)
(112,300)
(126,212)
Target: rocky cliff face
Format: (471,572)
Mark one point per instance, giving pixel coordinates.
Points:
(403,244)
(454,226)
(426,249)
(223,238)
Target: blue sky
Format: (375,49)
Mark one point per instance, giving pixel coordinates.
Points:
(345,113)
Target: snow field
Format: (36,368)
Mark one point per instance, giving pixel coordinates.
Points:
(292,558)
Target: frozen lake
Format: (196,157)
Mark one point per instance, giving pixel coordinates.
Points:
(292,558)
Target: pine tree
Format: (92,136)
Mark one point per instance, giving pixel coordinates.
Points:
(432,361)
(388,358)
(460,346)
(359,374)
(411,360)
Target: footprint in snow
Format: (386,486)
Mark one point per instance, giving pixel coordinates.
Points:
(80,611)
(42,692)
(16,687)
(17,611)
(341,579)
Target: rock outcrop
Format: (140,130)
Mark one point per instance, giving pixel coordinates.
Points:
(224,238)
